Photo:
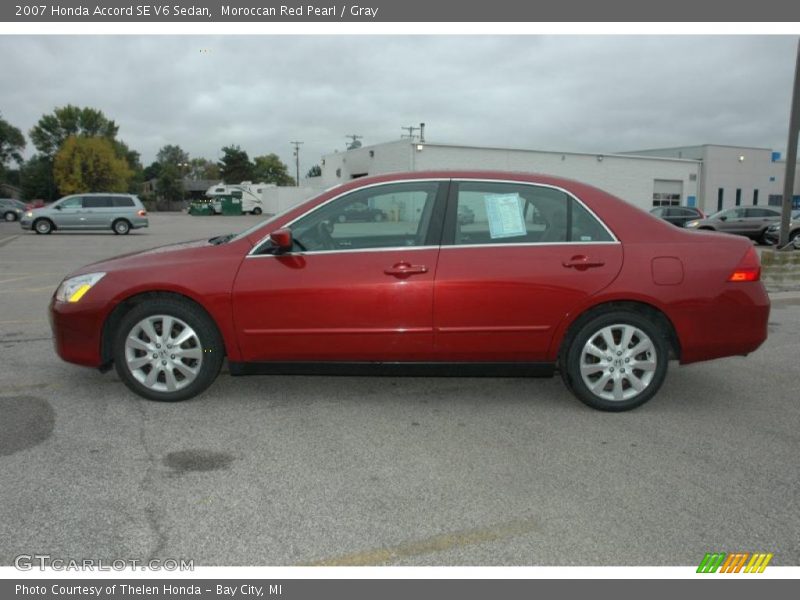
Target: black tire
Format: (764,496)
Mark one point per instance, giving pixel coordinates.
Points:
(210,342)
(121,227)
(43,226)
(256,211)
(10,216)
(573,356)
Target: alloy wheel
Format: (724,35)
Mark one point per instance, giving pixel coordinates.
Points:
(163,353)
(618,362)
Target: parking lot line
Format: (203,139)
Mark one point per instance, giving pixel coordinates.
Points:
(24,277)
(26,290)
(436,543)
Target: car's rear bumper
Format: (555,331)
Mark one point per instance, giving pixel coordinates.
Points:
(77,331)
(734,323)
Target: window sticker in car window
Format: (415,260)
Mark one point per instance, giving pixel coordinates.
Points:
(504,212)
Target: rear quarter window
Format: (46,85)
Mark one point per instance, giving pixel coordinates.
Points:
(123,202)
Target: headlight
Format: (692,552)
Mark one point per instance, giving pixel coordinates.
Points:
(772,228)
(29,214)
(692,224)
(74,288)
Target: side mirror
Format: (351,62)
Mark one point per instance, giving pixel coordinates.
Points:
(57,207)
(281,239)
(723,218)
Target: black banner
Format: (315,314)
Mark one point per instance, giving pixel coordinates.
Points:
(386,589)
(392,11)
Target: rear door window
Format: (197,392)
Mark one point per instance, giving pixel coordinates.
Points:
(96,202)
(510,213)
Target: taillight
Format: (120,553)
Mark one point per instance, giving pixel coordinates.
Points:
(748,269)
(142,213)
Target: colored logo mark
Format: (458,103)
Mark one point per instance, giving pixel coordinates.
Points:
(734,562)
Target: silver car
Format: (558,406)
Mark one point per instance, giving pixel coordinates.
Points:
(751,221)
(118,212)
(11,209)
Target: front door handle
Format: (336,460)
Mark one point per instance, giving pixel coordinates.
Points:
(581,262)
(404,269)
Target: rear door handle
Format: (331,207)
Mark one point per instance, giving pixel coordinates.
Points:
(581,262)
(404,269)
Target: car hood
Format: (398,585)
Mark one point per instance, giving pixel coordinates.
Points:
(144,258)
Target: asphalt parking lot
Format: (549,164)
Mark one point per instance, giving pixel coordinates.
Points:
(399,471)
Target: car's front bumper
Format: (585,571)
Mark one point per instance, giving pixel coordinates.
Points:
(77,331)
(26,222)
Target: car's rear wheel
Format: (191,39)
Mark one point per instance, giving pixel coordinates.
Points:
(616,361)
(167,350)
(121,226)
(43,226)
(10,216)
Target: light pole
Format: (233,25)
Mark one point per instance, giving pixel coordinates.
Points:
(297,161)
(181,167)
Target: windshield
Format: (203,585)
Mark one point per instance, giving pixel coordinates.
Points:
(261,224)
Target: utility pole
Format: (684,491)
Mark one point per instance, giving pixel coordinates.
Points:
(791,156)
(410,131)
(297,161)
(354,143)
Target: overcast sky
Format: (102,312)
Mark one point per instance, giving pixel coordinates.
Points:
(562,93)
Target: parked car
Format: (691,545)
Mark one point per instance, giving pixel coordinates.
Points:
(117,212)
(38,203)
(466,215)
(11,209)
(678,215)
(773,232)
(748,221)
(361,212)
(595,290)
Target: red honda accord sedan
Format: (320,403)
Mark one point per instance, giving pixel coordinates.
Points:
(550,275)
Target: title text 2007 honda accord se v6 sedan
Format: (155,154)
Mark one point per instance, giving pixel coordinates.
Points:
(550,275)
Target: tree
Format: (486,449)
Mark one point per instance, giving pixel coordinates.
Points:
(152,171)
(270,169)
(235,165)
(169,184)
(52,130)
(172,155)
(12,142)
(90,164)
(36,178)
(202,168)
(315,171)
(173,162)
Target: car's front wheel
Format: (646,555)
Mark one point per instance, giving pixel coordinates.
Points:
(616,361)
(167,350)
(43,226)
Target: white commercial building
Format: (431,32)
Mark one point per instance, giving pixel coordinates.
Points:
(645,181)
(710,177)
(733,175)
